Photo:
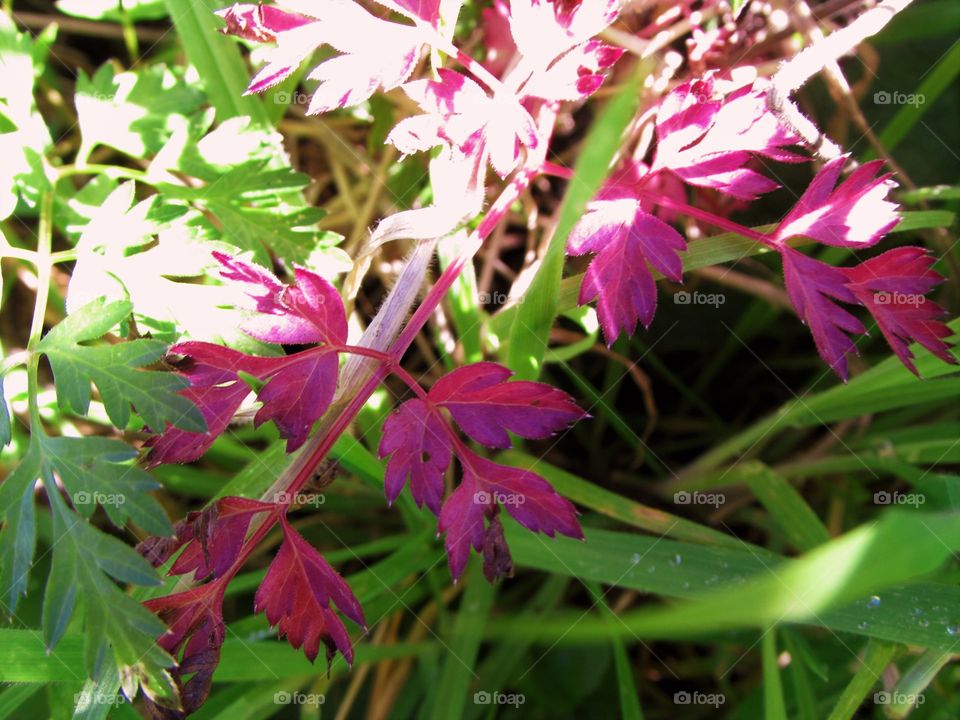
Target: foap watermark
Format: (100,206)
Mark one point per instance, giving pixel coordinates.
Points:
(699,498)
(311,499)
(494,298)
(898,498)
(291,98)
(482,697)
(899,298)
(299,698)
(84,497)
(483,497)
(89,699)
(898,698)
(882,97)
(698,298)
(698,698)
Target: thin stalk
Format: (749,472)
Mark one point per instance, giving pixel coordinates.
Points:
(44,272)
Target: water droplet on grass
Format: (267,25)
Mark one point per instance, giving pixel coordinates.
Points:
(874,601)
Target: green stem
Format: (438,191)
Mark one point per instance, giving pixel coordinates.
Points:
(112,171)
(44,269)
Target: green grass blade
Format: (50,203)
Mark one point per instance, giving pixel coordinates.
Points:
(786,506)
(457,670)
(618,507)
(530,330)
(773,703)
(630,708)
(939,79)
(876,658)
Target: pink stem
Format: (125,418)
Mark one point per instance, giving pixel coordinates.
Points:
(708,217)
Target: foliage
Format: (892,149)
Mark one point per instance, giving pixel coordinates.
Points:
(220,306)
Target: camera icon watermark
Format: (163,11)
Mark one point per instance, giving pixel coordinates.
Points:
(698,698)
(299,698)
(308,499)
(482,697)
(699,498)
(481,497)
(882,97)
(898,498)
(84,497)
(898,698)
(698,298)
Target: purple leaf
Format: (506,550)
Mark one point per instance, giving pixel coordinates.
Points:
(298,388)
(486,406)
(627,241)
(211,539)
(375,53)
(298,393)
(813,287)
(459,113)
(417,442)
(855,214)
(893,288)
(215,388)
(709,129)
(310,311)
(260,23)
(545,29)
(487,485)
(575,75)
(195,634)
(298,594)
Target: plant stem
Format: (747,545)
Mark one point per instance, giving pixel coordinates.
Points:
(708,217)
(44,270)
(716,221)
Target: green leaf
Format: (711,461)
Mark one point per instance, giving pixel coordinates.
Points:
(4,418)
(937,192)
(529,333)
(26,137)
(616,506)
(260,210)
(217,60)
(908,692)
(113,619)
(626,687)
(109,10)
(135,112)
(95,471)
(18,536)
(115,370)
